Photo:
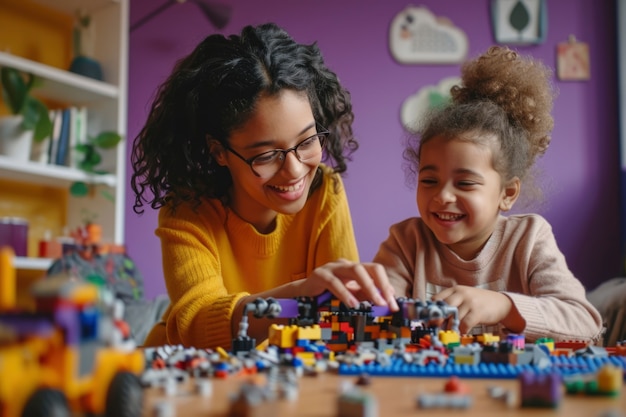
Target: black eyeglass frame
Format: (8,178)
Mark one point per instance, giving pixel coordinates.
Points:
(321,135)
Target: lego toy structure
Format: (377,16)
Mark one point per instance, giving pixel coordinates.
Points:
(70,356)
(420,340)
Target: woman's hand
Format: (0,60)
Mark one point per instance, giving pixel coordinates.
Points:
(477,306)
(351,282)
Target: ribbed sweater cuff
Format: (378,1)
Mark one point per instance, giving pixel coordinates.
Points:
(215,321)
(529,310)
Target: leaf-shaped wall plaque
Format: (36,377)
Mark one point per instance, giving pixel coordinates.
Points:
(520,22)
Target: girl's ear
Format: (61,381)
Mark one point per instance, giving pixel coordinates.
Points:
(510,193)
(216,150)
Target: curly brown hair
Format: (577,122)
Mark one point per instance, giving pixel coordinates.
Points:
(503,95)
(212,92)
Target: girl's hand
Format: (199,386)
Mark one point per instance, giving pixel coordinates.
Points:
(351,282)
(477,306)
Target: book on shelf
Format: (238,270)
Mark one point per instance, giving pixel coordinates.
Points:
(78,133)
(69,128)
(54,137)
(64,138)
(39,149)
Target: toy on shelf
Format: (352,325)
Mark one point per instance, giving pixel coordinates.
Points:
(69,356)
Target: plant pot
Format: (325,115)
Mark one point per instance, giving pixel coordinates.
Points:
(15,142)
(86,66)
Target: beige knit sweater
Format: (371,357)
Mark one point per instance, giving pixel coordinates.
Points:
(520,259)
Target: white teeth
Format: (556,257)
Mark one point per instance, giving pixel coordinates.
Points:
(289,188)
(449,216)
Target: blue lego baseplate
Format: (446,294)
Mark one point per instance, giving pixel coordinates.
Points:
(565,366)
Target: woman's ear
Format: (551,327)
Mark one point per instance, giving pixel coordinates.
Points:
(510,193)
(216,150)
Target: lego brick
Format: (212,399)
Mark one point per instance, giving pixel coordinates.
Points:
(558,364)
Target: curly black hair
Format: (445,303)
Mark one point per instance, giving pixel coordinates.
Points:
(212,92)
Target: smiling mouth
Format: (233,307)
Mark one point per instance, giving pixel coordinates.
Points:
(288,188)
(449,216)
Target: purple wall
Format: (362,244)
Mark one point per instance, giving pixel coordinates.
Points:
(581,168)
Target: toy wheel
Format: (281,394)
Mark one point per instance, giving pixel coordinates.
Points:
(46,402)
(125,396)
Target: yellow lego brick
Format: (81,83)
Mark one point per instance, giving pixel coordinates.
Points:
(487,338)
(308,358)
(309,333)
(222,352)
(609,379)
(463,359)
(448,336)
(283,336)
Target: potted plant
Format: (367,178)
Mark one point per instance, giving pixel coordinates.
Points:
(30,118)
(84,38)
(91,158)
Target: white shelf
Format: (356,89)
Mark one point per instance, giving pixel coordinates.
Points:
(62,85)
(48,174)
(33,264)
(70,6)
(106,111)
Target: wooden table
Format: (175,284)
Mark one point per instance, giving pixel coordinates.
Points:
(396,397)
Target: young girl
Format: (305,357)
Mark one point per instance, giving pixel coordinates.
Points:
(231,155)
(471,160)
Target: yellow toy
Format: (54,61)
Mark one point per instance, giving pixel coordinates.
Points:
(68,356)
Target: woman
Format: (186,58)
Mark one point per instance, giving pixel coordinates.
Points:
(231,155)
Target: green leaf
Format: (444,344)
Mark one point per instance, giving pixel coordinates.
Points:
(16,86)
(82,147)
(107,140)
(519,17)
(14,89)
(79,189)
(43,128)
(30,114)
(107,195)
(90,159)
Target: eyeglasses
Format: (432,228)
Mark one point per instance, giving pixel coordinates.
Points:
(267,164)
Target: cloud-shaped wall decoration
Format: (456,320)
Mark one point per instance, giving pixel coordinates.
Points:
(427,97)
(417,36)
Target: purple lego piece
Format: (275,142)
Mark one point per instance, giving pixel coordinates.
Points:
(324,297)
(381,311)
(540,390)
(67,320)
(25,325)
(289,307)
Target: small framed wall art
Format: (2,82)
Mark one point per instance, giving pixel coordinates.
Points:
(417,36)
(519,22)
(572,60)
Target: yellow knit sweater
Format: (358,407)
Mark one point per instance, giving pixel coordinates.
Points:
(212,258)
